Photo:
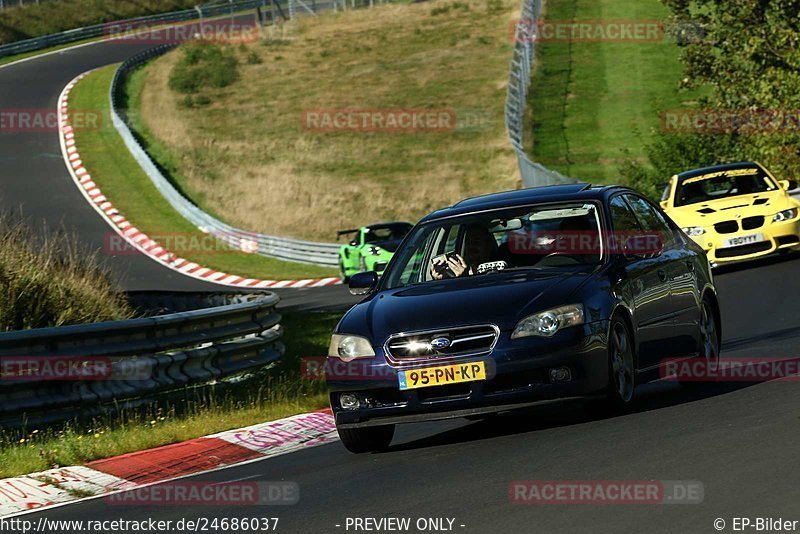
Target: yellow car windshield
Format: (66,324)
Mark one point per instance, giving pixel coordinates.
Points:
(722,184)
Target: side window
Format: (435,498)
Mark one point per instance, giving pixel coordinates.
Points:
(622,218)
(414,270)
(650,218)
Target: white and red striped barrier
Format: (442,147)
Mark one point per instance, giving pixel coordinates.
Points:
(138,239)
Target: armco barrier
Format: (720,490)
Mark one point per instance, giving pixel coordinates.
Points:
(99,30)
(533,174)
(272,246)
(149,358)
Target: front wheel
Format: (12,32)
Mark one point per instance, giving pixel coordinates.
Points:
(368,439)
(709,349)
(621,364)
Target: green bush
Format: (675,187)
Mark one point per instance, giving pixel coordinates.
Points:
(204,65)
(671,154)
(50,281)
(253,58)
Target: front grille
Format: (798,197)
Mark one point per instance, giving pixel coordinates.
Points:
(472,340)
(744,250)
(751,223)
(380,266)
(727,227)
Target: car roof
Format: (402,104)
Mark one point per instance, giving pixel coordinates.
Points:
(387,225)
(522,197)
(717,168)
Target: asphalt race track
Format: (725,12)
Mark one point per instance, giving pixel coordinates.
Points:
(740,440)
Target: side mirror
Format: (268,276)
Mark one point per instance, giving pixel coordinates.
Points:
(788,185)
(363,283)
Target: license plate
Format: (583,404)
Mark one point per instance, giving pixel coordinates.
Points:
(742,240)
(445,374)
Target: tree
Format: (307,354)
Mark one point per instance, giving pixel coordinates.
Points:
(748,51)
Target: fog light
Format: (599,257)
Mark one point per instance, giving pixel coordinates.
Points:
(348,401)
(560,374)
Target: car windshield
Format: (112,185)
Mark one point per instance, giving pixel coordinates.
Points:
(389,232)
(723,184)
(563,236)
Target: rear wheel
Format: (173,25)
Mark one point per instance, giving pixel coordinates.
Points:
(368,439)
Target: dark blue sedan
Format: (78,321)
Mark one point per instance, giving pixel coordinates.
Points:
(520,298)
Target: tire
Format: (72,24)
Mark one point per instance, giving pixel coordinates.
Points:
(342,273)
(368,439)
(710,341)
(621,364)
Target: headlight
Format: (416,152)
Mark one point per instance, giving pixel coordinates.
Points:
(694,231)
(547,323)
(347,347)
(374,250)
(785,215)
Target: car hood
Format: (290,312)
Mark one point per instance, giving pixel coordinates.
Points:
(709,213)
(500,298)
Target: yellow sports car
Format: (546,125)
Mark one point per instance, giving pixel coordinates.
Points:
(735,212)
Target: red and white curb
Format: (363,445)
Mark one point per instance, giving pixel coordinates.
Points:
(138,239)
(139,469)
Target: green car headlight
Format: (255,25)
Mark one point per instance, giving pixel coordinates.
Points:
(375,251)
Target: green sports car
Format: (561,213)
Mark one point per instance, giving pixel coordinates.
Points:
(371,248)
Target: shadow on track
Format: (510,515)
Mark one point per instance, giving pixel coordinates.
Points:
(653,396)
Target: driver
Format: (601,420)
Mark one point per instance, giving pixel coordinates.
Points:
(479,247)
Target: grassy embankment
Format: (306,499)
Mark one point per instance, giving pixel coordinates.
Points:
(121,179)
(243,152)
(595,104)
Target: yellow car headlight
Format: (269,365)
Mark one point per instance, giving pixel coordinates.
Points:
(694,231)
(785,215)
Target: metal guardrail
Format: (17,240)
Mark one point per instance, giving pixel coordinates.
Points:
(145,359)
(106,29)
(266,245)
(533,174)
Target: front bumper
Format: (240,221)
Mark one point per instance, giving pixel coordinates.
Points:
(777,236)
(518,375)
